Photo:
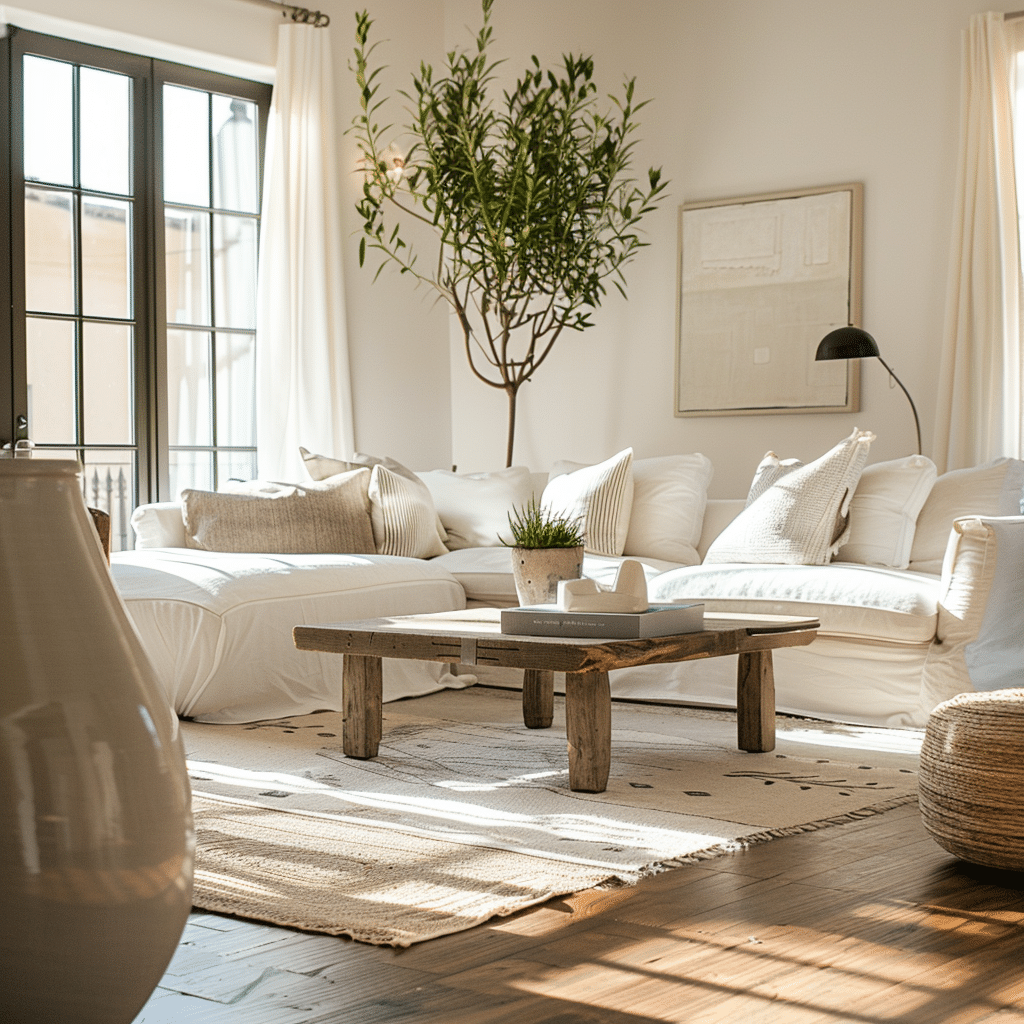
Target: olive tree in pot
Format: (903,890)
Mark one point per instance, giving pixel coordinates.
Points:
(546,547)
(529,197)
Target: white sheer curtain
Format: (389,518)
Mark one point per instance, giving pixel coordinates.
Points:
(982,369)
(303,389)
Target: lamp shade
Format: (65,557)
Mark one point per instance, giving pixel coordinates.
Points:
(847,343)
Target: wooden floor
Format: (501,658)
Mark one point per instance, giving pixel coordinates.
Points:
(864,922)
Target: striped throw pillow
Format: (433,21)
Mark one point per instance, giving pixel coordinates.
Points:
(602,496)
(403,516)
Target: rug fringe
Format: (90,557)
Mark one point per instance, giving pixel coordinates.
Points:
(755,838)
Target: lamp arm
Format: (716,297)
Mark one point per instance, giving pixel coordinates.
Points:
(913,408)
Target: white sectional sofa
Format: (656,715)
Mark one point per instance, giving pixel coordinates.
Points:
(945,615)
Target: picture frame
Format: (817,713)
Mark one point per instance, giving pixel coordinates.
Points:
(761,280)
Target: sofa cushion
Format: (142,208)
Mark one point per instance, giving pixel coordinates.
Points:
(884,511)
(403,516)
(601,496)
(859,601)
(801,518)
(331,516)
(475,507)
(217,626)
(993,489)
(670,494)
(486,573)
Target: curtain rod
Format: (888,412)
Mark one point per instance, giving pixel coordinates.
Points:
(302,14)
(1013,14)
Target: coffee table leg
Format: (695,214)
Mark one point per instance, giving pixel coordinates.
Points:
(588,728)
(362,690)
(538,698)
(755,702)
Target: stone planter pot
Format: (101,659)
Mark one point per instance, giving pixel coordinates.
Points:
(96,837)
(538,570)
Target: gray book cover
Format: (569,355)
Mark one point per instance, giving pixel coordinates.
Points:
(550,620)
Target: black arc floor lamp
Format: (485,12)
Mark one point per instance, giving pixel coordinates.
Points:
(853,343)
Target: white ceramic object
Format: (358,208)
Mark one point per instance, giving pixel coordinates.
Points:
(96,838)
(627,594)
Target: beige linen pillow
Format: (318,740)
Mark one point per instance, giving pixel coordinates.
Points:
(320,466)
(802,518)
(884,510)
(670,494)
(601,496)
(992,489)
(403,516)
(474,507)
(332,516)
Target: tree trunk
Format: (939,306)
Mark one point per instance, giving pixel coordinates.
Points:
(511,390)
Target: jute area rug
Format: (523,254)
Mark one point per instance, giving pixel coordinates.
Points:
(467,815)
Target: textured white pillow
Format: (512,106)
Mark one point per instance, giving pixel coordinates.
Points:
(801,519)
(319,467)
(770,470)
(884,510)
(330,516)
(670,493)
(601,496)
(474,507)
(993,489)
(403,516)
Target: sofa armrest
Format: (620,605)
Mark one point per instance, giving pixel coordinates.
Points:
(981,602)
(159,525)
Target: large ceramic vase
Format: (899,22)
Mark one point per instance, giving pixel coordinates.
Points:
(537,572)
(96,839)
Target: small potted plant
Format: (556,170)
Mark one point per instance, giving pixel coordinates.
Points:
(546,547)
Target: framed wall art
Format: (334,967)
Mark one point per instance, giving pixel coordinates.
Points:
(762,279)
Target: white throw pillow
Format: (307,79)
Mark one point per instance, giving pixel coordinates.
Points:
(993,489)
(601,496)
(320,467)
(884,510)
(403,516)
(770,470)
(474,507)
(802,518)
(330,516)
(670,494)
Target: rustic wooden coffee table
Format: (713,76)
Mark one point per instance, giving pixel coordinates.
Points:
(474,637)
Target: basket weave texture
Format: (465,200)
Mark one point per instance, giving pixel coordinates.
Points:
(972,778)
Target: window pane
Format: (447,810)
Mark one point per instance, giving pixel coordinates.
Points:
(107,383)
(110,486)
(49,136)
(49,251)
(235,466)
(187,266)
(236,390)
(235,177)
(104,112)
(186,116)
(189,399)
(234,271)
(50,355)
(190,469)
(106,257)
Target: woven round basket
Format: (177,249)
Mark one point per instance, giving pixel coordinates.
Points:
(972,778)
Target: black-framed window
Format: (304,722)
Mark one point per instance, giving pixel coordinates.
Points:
(133,234)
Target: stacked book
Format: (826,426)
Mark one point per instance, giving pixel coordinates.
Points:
(550,620)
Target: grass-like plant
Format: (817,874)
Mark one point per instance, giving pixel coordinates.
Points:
(528,193)
(534,526)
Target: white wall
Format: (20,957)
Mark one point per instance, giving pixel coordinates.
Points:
(749,96)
